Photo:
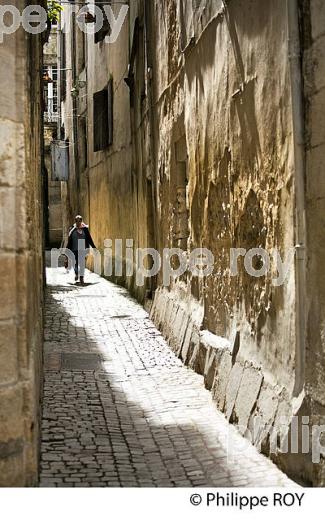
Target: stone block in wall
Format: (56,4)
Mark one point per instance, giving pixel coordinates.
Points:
(175,322)
(8,227)
(219,386)
(12,150)
(192,347)
(8,289)
(198,357)
(8,353)
(261,421)
(215,346)
(162,302)
(198,354)
(233,385)
(12,210)
(166,326)
(154,313)
(187,341)
(247,396)
(11,470)
(11,413)
(155,307)
(210,369)
(283,416)
(206,355)
(287,451)
(179,330)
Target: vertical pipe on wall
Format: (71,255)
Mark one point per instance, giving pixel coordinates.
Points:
(295,64)
(149,59)
(75,129)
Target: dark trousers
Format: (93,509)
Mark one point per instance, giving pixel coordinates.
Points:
(77,266)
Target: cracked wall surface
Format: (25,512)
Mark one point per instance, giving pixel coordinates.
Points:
(230,98)
(232,94)
(225,93)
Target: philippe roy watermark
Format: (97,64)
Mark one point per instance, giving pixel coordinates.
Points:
(300,437)
(125,260)
(34,19)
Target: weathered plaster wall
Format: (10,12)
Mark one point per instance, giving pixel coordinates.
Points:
(112,191)
(223,87)
(21,263)
(111,197)
(240,190)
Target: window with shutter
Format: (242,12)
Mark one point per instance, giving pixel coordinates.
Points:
(103,118)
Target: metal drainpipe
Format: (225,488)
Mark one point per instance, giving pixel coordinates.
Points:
(59,120)
(150,72)
(294,48)
(75,130)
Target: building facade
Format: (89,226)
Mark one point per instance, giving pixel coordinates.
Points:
(199,127)
(21,257)
(51,118)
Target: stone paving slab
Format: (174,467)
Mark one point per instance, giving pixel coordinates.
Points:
(134,416)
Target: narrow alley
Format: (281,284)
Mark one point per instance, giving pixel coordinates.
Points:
(179,146)
(121,410)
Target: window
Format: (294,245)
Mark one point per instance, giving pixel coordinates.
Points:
(106,29)
(82,144)
(103,118)
(81,51)
(51,94)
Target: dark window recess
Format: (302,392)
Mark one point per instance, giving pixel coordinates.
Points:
(106,28)
(110,111)
(81,50)
(63,75)
(82,143)
(103,118)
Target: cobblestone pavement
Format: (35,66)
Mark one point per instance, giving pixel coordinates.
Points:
(121,410)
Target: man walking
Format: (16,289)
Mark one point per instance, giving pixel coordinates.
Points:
(80,232)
